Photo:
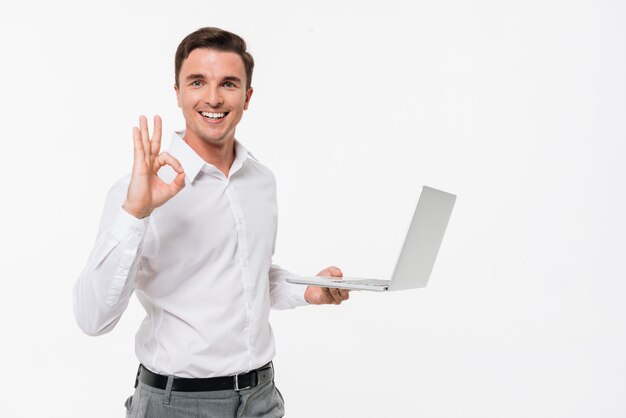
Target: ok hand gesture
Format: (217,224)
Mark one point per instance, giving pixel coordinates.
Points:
(147,191)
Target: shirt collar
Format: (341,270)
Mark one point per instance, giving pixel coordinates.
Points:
(192,163)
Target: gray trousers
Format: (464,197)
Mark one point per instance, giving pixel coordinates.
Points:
(263,400)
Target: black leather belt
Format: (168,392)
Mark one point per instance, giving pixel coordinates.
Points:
(182,384)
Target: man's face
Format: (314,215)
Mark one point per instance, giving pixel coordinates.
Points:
(212,93)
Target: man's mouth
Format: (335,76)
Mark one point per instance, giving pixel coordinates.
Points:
(214,116)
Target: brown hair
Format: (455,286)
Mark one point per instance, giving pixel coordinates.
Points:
(218,39)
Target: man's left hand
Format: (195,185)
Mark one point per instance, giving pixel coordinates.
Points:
(316,295)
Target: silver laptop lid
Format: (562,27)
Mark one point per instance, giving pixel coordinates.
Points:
(423,239)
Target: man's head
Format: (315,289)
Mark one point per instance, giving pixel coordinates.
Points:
(213,76)
(218,39)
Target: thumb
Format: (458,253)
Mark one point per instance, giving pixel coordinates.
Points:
(179,182)
(335,271)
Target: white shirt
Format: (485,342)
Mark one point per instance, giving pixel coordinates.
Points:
(200,265)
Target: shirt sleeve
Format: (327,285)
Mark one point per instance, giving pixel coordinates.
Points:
(285,295)
(105,285)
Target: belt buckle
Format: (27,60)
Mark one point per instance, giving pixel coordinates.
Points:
(237,388)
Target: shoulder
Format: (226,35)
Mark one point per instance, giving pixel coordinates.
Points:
(259,170)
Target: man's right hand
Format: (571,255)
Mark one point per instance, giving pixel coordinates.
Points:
(147,191)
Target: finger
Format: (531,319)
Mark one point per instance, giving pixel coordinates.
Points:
(138,153)
(178,183)
(156,135)
(166,158)
(145,137)
(338,296)
(344,294)
(331,271)
(334,292)
(335,271)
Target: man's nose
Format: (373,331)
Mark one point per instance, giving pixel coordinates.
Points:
(213,98)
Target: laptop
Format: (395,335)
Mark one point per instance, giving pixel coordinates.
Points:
(418,253)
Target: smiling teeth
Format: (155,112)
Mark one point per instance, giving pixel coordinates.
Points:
(213,115)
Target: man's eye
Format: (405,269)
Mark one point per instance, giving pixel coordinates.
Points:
(229,84)
(196,83)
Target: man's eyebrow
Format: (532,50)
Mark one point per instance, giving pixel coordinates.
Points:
(232,78)
(195,77)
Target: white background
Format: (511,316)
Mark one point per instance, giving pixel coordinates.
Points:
(517,107)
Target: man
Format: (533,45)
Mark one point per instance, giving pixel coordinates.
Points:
(192,232)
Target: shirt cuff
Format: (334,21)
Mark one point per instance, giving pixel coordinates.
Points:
(128,228)
(298,295)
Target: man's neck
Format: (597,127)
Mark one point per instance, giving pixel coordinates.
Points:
(220,155)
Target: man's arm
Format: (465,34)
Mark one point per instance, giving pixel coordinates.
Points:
(285,295)
(105,285)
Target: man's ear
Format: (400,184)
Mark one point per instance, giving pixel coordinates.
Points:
(248,96)
(177,90)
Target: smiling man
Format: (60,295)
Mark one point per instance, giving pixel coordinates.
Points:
(192,233)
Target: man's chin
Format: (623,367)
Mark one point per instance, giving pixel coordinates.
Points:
(207,138)
(216,141)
